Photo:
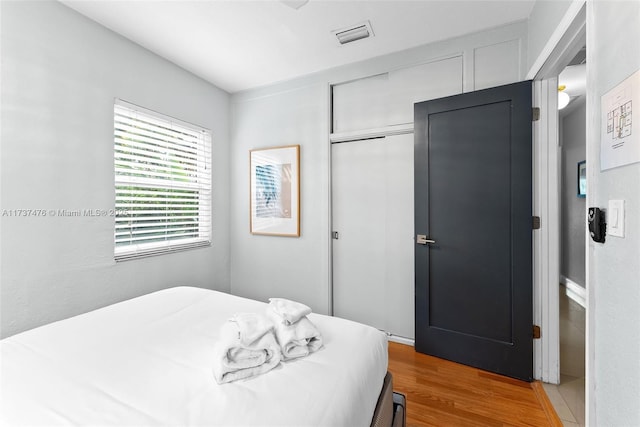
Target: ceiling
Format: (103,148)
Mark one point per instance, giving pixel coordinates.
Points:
(241,44)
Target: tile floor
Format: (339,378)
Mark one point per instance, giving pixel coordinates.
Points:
(568,397)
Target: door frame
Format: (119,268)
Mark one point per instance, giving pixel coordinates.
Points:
(546,240)
(567,39)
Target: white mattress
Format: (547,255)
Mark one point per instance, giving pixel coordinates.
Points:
(147,361)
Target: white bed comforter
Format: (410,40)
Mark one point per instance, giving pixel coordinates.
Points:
(147,361)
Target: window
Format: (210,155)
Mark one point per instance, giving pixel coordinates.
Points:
(162,183)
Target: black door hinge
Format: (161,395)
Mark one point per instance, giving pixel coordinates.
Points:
(536,223)
(535,114)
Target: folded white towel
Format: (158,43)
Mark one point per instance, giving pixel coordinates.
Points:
(251,326)
(247,347)
(289,311)
(296,340)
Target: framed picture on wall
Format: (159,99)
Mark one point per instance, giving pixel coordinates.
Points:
(582,179)
(274,201)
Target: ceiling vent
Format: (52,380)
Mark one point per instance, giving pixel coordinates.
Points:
(356,32)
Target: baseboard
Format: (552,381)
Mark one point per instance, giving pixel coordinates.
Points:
(401,340)
(574,291)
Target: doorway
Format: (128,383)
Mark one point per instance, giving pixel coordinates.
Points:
(560,352)
(568,395)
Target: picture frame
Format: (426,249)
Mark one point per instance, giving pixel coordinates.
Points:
(274,196)
(582,179)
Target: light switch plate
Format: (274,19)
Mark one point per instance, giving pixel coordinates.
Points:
(615,218)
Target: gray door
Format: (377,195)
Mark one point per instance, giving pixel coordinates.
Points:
(473,191)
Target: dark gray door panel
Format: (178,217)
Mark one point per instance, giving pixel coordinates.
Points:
(473,198)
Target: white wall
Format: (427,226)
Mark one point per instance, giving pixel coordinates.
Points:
(269,266)
(60,75)
(297,112)
(573,140)
(613,276)
(545,27)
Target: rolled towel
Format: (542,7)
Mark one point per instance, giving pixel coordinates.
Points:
(297,340)
(247,347)
(288,311)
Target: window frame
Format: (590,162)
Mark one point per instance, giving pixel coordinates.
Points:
(162,171)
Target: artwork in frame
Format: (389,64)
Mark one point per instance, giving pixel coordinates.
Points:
(274,200)
(582,179)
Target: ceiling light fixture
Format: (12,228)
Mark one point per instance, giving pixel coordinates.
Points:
(563,97)
(357,32)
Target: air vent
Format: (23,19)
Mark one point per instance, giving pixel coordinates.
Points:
(357,32)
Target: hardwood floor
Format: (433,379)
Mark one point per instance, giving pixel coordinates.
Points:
(443,393)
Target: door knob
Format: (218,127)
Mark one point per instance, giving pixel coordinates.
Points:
(421,239)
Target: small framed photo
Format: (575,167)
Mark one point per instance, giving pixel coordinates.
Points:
(274,200)
(582,179)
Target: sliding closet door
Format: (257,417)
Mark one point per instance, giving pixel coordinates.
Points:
(373,262)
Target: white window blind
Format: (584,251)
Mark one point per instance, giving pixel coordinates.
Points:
(162,182)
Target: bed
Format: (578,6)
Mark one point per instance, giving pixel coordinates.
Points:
(148,361)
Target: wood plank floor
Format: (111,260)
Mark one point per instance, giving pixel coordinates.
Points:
(443,393)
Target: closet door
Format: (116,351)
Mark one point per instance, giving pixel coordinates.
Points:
(373,262)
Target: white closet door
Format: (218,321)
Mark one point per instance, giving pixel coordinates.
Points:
(373,266)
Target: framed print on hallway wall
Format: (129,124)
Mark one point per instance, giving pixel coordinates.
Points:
(582,179)
(274,199)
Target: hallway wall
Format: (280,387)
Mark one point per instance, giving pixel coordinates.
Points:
(613,283)
(573,208)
